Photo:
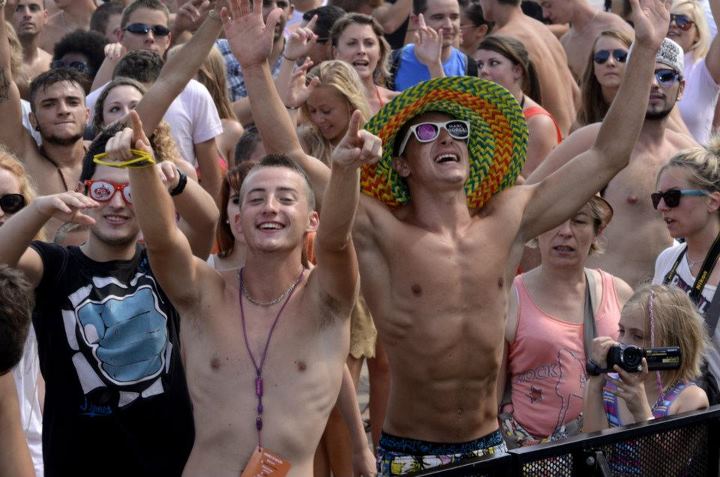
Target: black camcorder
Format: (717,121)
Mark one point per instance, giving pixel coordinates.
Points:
(630,357)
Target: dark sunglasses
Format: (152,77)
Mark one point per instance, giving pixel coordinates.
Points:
(683,22)
(666,78)
(429,131)
(672,196)
(601,56)
(144,29)
(75,65)
(11,203)
(103,191)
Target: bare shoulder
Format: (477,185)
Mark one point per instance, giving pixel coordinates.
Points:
(692,398)
(679,141)
(542,123)
(622,290)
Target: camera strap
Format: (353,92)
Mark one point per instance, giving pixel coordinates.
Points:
(589,331)
(712,313)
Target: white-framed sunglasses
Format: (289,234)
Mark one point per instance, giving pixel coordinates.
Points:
(429,131)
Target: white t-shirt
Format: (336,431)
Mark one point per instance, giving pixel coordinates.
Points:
(684,280)
(26,382)
(697,106)
(192,116)
(25,107)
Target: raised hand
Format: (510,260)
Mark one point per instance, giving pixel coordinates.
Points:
(358,147)
(118,147)
(67,207)
(651,19)
(249,37)
(115,51)
(428,44)
(301,41)
(298,91)
(191,15)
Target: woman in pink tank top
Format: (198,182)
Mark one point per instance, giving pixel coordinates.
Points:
(545,356)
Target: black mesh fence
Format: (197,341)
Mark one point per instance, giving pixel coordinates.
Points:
(679,446)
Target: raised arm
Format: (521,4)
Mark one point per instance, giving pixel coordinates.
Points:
(168,248)
(592,170)
(392,15)
(12,133)
(17,233)
(177,72)
(712,59)
(337,262)
(251,42)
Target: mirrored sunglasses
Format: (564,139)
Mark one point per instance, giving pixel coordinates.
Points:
(666,78)
(683,22)
(672,196)
(601,56)
(429,131)
(144,29)
(11,203)
(103,191)
(75,65)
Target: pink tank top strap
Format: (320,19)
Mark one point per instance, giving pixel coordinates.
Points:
(539,111)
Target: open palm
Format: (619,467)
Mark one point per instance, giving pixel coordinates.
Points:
(250,39)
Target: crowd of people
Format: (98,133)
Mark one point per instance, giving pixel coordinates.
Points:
(214,213)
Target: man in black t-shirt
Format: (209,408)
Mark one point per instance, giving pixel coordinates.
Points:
(108,338)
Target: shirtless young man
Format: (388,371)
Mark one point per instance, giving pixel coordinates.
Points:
(558,87)
(265,348)
(586,22)
(436,274)
(58,113)
(29,20)
(637,233)
(73,15)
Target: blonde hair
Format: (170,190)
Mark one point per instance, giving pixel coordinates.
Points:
(212,75)
(15,51)
(676,322)
(700,48)
(702,164)
(344,79)
(10,163)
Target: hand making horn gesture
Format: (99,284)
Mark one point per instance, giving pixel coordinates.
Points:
(358,147)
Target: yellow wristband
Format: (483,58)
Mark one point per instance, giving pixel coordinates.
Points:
(141,159)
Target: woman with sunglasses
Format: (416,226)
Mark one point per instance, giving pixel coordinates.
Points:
(603,75)
(689,29)
(505,61)
(688,197)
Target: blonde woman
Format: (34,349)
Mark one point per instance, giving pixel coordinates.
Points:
(689,28)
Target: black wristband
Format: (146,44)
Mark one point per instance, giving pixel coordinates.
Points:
(594,369)
(182,182)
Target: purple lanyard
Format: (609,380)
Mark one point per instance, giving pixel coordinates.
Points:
(258,369)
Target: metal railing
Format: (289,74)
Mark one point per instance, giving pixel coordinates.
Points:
(685,445)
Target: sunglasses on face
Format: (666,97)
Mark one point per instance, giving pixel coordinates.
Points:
(683,22)
(103,191)
(601,56)
(11,203)
(429,131)
(672,196)
(144,29)
(75,65)
(666,78)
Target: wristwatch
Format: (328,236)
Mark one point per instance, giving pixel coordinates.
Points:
(594,369)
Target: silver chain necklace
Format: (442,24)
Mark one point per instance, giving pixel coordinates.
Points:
(272,302)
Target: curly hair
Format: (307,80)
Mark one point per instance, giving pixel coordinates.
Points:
(88,43)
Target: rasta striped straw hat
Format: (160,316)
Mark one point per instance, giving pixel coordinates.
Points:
(497,144)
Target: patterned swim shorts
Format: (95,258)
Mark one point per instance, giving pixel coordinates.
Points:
(400,455)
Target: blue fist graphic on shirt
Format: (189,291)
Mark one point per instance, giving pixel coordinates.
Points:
(127,335)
